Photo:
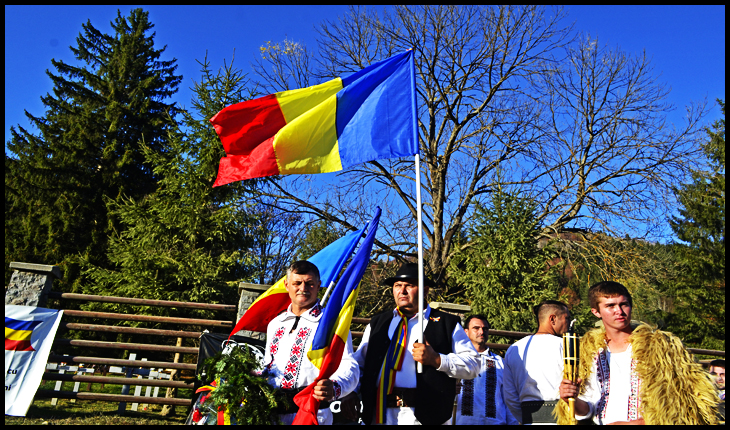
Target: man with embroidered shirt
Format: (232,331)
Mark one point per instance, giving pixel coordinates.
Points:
(288,338)
(391,389)
(533,366)
(630,372)
(480,399)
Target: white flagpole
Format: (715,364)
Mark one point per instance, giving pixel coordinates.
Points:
(421,339)
(326,293)
(420,257)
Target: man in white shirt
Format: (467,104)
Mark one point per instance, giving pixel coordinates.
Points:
(637,375)
(288,338)
(480,399)
(615,312)
(533,366)
(392,391)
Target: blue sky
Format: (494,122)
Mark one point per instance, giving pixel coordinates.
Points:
(686,43)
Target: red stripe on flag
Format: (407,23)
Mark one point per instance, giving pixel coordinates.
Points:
(308,405)
(246,125)
(332,361)
(261,162)
(18,345)
(260,314)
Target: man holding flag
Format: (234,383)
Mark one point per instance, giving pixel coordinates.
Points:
(392,391)
(289,337)
(368,115)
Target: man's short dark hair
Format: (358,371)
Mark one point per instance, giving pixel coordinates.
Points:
(483,318)
(547,308)
(607,289)
(717,363)
(302,267)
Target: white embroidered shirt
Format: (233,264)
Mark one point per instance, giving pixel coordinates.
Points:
(286,363)
(612,391)
(480,399)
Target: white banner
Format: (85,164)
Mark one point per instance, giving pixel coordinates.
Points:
(29,333)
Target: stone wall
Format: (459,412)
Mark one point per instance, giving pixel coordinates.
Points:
(30,284)
(249,293)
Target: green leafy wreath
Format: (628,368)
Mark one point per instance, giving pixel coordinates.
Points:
(247,396)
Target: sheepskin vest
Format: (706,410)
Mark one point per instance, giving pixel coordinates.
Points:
(663,366)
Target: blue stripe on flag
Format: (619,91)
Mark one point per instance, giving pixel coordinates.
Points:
(376,118)
(345,287)
(330,260)
(20,325)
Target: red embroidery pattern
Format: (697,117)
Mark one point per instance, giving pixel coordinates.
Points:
(274,348)
(635,396)
(275,342)
(316,310)
(291,372)
(338,389)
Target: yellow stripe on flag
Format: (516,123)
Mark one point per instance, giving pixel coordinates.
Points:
(341,329)
(20,335)
(294,103)
(309,143)
(277,288)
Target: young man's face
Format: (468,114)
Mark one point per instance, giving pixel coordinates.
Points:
(719,374)
(405,294)
(302,289)
(615,312)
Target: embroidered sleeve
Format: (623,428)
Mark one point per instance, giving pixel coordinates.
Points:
(338,390)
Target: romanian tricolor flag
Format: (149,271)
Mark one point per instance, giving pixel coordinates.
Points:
(275,300)
(330,339)
(18,333)
(366,116)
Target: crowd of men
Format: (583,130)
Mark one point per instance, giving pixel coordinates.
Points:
(628,371)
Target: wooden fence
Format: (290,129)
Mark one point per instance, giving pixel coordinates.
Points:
(173,368)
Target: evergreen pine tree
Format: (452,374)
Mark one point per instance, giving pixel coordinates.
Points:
(699,292)
(187,241)
(503,269)
(88,146)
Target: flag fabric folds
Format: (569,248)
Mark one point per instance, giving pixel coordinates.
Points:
(330,339)
(18,334)
(366,116)
(275,300)
(29,334)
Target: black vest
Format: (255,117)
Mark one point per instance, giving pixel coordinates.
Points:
(435,391)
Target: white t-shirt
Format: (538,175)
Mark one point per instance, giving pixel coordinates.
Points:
(533,369)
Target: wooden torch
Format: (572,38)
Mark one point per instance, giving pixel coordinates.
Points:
(571,356)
